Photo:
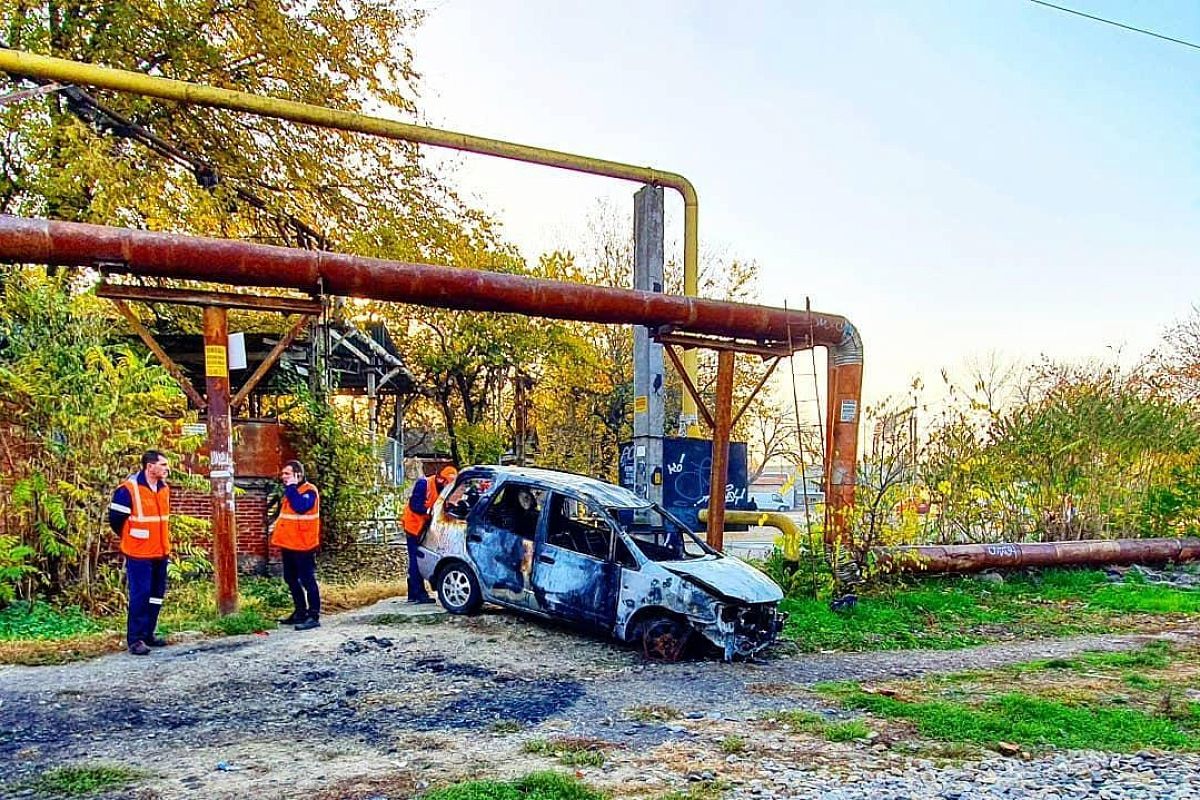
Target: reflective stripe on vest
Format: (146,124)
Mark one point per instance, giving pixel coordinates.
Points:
(413,522)
(294,531)
(146,533)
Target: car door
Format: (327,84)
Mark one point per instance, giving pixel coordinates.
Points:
(574,576)
(500,541)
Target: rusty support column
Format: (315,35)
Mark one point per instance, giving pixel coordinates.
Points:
(220,458)
(720,450)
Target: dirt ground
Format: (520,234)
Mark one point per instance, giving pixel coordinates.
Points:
(384,702)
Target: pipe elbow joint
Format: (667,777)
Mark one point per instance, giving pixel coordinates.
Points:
(850,349)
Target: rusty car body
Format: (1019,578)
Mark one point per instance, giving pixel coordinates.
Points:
(563,546)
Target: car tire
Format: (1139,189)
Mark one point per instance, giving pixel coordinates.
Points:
(458,589)
(663,638)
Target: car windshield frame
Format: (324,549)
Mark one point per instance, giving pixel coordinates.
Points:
(633,541)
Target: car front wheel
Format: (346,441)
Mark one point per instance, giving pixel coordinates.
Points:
(664,638)
(458,590)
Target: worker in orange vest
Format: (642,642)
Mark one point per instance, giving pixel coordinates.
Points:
(297,534)
(140,514)
(418,511)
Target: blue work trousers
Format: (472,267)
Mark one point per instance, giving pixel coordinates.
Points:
(147,579)
(416,584)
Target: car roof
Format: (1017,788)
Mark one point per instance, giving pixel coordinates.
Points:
(603,494)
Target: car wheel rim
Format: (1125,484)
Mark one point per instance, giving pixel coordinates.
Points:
(456,588)
(664,640)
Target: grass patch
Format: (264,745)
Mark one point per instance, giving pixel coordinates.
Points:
(570,751)
(733,744)
(39,652)
(653,713)
(814,723)
(1033,722)
(39,621)
(959,612)
(847,731)
(38,633)
(505,726)
(535,786)
(83,781)
(243,622)
(339,597)
(1119,702)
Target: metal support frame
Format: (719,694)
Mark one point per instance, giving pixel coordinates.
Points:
(720,450)
(196,297)
(156,348)
(687,384)
(722,421)
(268,362)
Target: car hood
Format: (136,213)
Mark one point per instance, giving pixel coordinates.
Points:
(729,578)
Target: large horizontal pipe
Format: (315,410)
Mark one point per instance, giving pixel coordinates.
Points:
(962,558)
(166,255)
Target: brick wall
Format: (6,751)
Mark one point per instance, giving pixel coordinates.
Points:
(251,504)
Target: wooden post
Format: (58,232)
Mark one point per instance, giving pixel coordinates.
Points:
(220,458)
(723,419)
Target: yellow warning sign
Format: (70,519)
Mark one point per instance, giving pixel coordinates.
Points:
(215,363)
(641,404)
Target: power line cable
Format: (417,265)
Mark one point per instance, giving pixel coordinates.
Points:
(1183,42)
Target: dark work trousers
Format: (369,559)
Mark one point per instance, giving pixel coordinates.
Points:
(300,575)
(147,579)
(416,584)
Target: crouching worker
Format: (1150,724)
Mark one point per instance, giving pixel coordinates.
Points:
(418,512)
(297,534)
(140,514)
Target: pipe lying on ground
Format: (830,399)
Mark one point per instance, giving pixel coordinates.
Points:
(966,558)
(963,558)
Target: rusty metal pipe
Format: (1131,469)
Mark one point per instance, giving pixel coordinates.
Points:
(166,255)
(963,558)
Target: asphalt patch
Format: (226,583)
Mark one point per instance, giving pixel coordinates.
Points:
(526,702)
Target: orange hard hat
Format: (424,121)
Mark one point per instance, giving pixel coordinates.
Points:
(448,474)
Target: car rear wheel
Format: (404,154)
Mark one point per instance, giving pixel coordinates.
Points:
(458,589)
(664,638)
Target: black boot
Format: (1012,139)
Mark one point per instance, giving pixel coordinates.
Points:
(307,625)
(294,618)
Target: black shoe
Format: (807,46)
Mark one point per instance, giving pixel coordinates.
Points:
(139,648)
(156,641)
(416,601)
(293,618)
(308,625)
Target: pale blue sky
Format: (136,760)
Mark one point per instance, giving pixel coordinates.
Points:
(955,177)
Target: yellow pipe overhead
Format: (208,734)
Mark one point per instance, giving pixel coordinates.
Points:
(63,70)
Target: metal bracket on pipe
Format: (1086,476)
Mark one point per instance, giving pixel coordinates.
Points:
(29,94)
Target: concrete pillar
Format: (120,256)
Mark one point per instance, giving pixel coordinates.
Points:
(648,378)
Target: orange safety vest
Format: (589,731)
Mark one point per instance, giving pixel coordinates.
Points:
(146,533)
(413,522)
(298,531)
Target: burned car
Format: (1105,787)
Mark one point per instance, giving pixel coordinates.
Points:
(566,547)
